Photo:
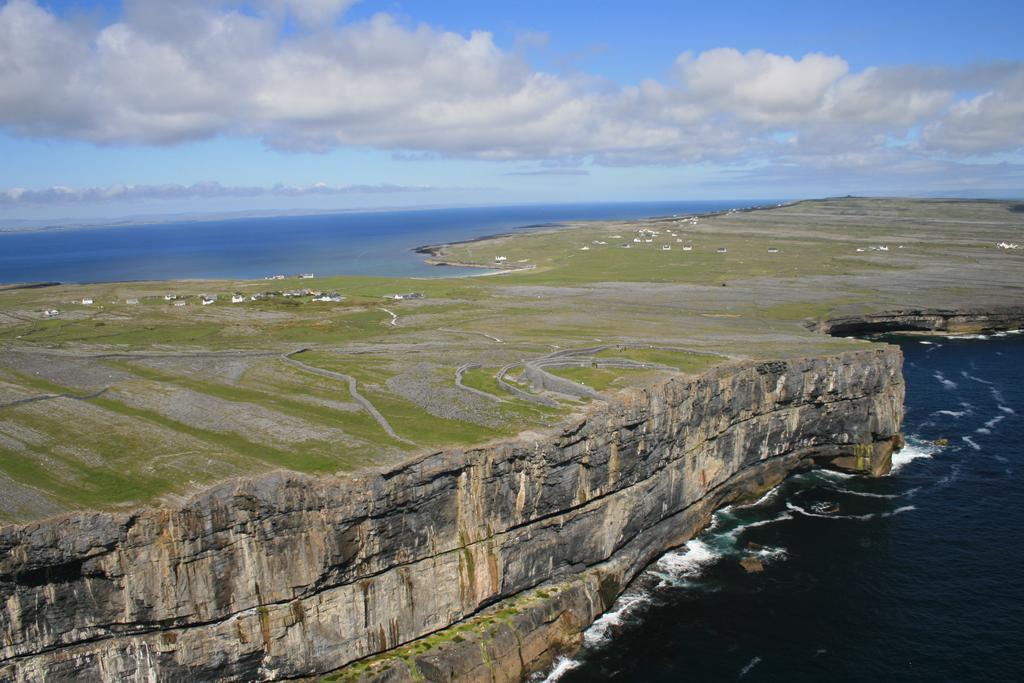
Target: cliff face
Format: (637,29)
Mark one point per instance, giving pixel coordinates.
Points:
(288,575)
(963,320)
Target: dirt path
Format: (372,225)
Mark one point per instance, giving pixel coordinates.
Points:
(362,400)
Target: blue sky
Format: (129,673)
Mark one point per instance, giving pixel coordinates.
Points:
(111,109)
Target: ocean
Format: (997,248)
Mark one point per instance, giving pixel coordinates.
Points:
(378,243)
(918,576)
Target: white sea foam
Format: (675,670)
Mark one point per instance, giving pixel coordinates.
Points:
(909,453)
(970,442)
(750,665)
(1007,410)
(968,336)
(782,516)
(869,495)
(928,343)
(954,474)
(997,395)
(834,474)
(870,515)
(562,665)
(953,413)
(994,421)
(600,631)
(947,383)
(975,379)
(763,499)
(982,430)
(689,560)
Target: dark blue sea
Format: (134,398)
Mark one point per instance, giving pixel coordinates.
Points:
(919,576)
(354,243)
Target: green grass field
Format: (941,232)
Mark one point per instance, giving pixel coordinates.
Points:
(190,395)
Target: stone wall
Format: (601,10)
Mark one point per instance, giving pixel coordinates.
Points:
(289,575)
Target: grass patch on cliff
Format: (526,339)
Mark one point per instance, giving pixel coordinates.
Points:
(600,379)
(685,361)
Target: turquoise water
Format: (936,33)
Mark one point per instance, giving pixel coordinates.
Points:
(358,243)
(918,576)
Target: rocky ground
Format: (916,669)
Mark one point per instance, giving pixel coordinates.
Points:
(112,405)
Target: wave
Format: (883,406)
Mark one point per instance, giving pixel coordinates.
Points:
(971,377)
(1008,410)
(763,499)
(954,474)
(909,453)
(947,383)
(750,665)
(695,555)
(982,430)
(834,474)
(953,413)
(968,336)
(869,495)
(971,443)
(562,665)
(994,421)
(870,515)
(599,632)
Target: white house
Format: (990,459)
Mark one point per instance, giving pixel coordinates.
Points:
(131,302)
(237,298)
(51,313)
(329,297)
(722,250)
(87,301)
(306,276)
(207,301)
(179,304)
(773,250)
(500,259)
(687,248)
(666,247)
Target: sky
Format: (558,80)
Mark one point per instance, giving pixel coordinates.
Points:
(141,107)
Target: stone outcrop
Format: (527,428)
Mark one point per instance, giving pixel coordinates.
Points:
(287,575)
(949,321)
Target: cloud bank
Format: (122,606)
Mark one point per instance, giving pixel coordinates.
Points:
(208,190)
(297,75)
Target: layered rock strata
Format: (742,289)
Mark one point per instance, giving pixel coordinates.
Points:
(945,321)
(288,576)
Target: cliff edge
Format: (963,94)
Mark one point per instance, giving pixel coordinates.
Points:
(287,575)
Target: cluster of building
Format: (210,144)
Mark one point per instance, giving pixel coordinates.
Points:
(301,276)
(1008,245)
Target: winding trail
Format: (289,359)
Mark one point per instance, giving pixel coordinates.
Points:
(48,397)
(394,317)
(482,334)
(362,400)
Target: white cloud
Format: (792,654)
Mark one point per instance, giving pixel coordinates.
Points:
(759,86)
(990,122)
(172,72)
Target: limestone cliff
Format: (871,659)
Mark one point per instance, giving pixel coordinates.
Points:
(941,320)
(288,576)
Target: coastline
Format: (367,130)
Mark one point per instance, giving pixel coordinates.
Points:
(437,252)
